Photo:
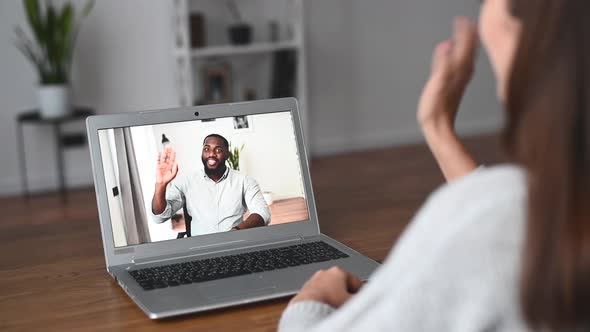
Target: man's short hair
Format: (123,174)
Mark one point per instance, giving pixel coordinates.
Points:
(225,142)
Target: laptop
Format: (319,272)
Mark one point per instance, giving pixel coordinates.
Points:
(240,222)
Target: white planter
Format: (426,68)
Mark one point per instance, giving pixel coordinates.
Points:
(54,100)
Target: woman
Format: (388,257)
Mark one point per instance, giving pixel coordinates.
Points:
(503,248)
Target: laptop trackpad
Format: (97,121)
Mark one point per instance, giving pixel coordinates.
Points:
(237,288)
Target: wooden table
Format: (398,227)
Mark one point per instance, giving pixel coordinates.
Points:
(52,269)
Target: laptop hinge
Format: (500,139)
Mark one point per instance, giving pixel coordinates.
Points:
(197,251)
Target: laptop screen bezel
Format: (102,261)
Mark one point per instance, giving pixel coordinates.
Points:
(205,243)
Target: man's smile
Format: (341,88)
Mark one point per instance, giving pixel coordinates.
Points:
(212,162)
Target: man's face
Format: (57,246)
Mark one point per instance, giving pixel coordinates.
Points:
(214,154)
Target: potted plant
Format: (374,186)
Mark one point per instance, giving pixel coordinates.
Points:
(240,33)
(234,157)
(50,51)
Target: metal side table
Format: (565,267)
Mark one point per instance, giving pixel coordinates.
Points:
(62,140)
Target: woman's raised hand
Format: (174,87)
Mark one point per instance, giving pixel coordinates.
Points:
(452,68)
(453,62)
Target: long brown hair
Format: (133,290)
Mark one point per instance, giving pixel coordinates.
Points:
(548,132)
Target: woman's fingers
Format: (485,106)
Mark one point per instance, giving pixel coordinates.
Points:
(452,68)
(353,284)
(349,285)
(465,41)
(458,53)
(333,286)
(441,55)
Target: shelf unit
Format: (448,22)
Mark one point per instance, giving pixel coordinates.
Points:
(188,60)
(229,50)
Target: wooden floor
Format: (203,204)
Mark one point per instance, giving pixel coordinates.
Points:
(364,200)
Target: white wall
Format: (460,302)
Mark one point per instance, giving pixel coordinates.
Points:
(123,62)
(368,61)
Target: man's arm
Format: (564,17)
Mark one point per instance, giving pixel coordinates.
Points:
(166,202)
(253,220)
(166,171)
(159,200)
(259,211)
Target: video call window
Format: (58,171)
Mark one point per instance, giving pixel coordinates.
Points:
(175,180)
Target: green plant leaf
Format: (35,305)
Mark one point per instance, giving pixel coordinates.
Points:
(22,37)
(234,157)
(33,11)
(87,8)
(28,52)
(26,48)
(66,23)
(55,32)
(52,49)
(76,27)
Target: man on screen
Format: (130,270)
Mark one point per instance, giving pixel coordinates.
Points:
(216,198)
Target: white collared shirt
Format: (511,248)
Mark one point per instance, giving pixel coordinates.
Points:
(214,206)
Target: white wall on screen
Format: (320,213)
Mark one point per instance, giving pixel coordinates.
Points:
(145,150)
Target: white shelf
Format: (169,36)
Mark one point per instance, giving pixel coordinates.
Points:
(227,50)
(287,13)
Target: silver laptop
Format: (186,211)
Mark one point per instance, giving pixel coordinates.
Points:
(208,207)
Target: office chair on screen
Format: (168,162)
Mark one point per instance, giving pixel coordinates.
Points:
(187,223)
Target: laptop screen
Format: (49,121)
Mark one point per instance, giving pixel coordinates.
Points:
(174,180)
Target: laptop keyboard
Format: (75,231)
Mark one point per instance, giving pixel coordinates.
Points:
(235,265)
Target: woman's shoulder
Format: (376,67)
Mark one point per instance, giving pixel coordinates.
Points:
(480,216)
(483,188)
(495,194)
(500,174)
(489,198)
(463,248)
(487,206)
(505,178)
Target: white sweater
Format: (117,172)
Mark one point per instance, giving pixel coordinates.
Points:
(455,268)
